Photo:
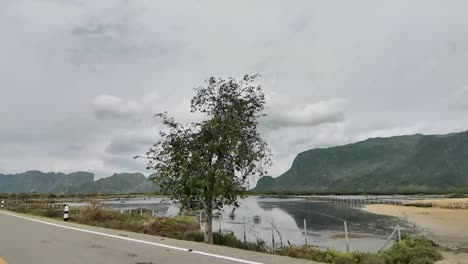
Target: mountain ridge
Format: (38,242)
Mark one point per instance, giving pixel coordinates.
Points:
(405,163)
(76,182)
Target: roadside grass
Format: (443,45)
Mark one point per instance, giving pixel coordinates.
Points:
(411,250)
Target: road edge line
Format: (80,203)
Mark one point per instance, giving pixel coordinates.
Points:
(135,240)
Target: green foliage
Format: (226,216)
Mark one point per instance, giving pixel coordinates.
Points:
(412,250)
(205,165)
(39,210)
(230,240)
(404,164)
(328,256)
(185,228)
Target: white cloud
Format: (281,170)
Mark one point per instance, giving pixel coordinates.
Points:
(111,107)
(287,113)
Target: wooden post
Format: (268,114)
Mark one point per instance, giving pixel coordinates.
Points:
(245,240)
(220,220)
(272,235)
(141,211)
(399,233)
(388,240)
(346,236)
(200,221)
(305,232)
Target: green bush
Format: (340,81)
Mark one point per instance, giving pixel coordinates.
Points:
(315,254)
(413,250)
(230,240)
(177,227)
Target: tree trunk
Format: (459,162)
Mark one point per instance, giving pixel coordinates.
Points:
(209,224)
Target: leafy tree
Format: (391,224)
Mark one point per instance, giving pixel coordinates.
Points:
(206,165)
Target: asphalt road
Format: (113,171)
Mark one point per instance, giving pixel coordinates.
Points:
(29,239)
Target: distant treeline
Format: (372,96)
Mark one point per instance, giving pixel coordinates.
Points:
(378,192)
(78,196)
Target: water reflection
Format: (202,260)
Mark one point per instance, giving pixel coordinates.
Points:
(262,218)
(325,216)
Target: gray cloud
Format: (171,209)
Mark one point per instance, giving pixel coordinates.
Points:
(93,73)
(131,143)
(111,107)
(290,114)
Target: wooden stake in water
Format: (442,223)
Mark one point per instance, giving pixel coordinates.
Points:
(346,236)
(305,232)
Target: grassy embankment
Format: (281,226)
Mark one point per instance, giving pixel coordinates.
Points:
(412,250)
(183,228)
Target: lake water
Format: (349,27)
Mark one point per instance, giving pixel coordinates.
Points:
(324,221)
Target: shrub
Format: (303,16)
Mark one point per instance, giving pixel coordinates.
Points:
(315,254)
(413,250)
(176,227)
(230,240)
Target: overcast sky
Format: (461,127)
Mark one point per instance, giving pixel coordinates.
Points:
(81,80)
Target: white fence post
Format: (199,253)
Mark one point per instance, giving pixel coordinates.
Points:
(305,232)
(346,236)
(388,239)
(65,213)
(399,233)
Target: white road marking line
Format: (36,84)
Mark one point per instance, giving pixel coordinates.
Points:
(135,240)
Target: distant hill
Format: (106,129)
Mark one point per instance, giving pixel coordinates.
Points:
(416,163)
(77,182)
